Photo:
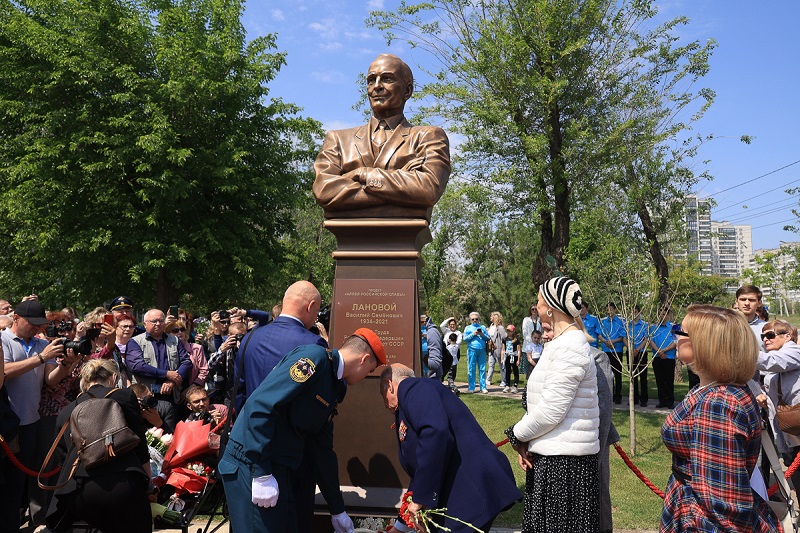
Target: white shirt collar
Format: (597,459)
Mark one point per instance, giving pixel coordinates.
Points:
(340,370)
(293,317)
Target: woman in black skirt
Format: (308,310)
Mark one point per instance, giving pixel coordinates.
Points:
(557,439)
(111,497)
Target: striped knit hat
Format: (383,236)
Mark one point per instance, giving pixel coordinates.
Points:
(564,294)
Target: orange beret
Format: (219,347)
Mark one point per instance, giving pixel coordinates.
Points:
(374,342)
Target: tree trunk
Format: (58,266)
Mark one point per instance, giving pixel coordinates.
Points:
(555,225)
(166,293)
(656,254)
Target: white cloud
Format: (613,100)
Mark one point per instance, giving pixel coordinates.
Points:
(277,14)
(374,5)
(333,77)
(326,29)
(331,45)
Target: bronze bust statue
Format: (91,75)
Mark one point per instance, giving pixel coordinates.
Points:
(386,168)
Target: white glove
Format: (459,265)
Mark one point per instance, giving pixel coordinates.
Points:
(342,523)
(265,491)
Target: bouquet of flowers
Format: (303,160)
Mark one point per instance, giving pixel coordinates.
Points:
(424,517)
(201,325)
(157,439)
(201,469)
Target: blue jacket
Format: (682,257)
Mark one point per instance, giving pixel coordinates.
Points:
(268,346)
(451,461)
(289,416)
(475,342)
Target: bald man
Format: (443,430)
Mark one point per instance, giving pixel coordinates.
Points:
(270,343)
(387,167)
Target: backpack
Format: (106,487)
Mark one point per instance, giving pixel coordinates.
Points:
(99,432)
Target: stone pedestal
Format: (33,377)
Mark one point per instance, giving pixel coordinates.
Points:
(376,286)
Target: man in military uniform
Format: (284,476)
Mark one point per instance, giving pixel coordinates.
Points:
(291,413)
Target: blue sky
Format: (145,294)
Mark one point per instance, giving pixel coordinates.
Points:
(754,72)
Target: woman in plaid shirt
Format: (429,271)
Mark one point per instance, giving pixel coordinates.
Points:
(715,433)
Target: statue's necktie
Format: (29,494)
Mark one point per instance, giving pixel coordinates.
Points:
(380,135)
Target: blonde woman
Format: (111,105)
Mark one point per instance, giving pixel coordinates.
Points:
(715,433)
(112,496)
(497,334)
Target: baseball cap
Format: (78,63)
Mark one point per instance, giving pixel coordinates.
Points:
(374,343)
(32,311)
(120,302)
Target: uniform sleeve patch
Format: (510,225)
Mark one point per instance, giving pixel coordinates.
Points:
(302,370)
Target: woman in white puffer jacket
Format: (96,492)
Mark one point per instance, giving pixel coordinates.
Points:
(557,439)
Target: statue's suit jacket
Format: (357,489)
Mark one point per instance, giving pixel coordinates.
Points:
(404,178)
(451,461)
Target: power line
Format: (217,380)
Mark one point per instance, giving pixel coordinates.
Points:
(716,211)
(761,211)
(775,223)
(752,180)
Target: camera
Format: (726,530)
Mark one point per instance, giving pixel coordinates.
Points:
(224,314)
(324,318)
(148,402)
(58,330)
(239,337)
(205,416)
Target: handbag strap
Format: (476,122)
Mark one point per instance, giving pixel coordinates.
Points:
(50,455)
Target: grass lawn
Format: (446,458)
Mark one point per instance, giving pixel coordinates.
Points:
(635,506)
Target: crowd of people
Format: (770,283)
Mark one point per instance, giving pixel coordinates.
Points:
(165,368)
(166,371)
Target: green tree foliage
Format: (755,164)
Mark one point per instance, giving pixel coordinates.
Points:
(561,103)
(140,153)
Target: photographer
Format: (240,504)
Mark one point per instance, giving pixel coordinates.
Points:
(156,413)
(222,365)
(201,407)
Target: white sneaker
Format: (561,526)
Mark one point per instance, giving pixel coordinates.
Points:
(506,389)
(484,391)
(502,383)
(514,390)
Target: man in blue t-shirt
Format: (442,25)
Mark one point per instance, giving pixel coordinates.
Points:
(636,341)
(662,342)
(612,342)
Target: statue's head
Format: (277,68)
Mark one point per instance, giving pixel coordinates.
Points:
(390,83)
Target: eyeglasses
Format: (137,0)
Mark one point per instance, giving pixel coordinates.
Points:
(126,326)
(474,319)
(178,330)
(769,335)
(225,322)
(156,321)
(676,330)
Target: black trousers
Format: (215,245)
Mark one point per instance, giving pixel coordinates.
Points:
(115,502)
(616,368)
(639,364)
(664,370)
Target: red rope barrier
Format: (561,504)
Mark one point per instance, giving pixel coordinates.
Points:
(25,470)
(638,473)
(788,474)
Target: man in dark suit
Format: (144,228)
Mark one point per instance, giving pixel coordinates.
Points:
(289,417)
(387,167)
(451,461)
(270,343)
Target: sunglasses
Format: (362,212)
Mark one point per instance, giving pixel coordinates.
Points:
(179,330)
(676,330)
(770,335)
